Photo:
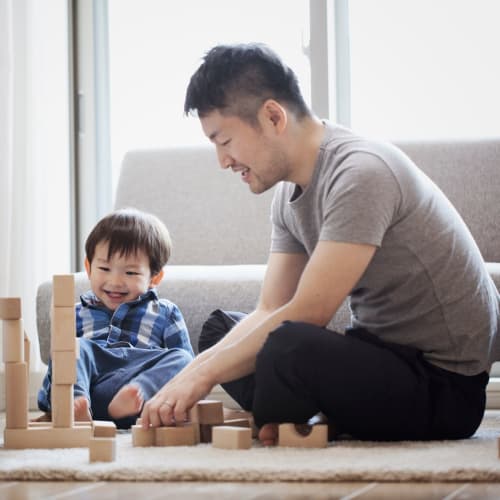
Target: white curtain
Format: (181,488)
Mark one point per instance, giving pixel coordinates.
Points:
(34,185)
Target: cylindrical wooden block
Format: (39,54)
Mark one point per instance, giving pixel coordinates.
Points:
(16,402)
(13,341)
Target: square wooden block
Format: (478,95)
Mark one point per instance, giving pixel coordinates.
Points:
(104,428)
(102,449)
(143,437)
(232,438)
(63,290)
(207,412)
(10,308)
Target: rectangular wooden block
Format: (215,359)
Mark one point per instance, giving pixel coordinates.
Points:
(62,405)
(232,438)
(63,290)
(102,449)
(180,435)
(289,436)
(13,340)
(47,437)
(63,367)
(16,402)
(10,308)
(63,329)
(143,437)
(104,428)
(207,412)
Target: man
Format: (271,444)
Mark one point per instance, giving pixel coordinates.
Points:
(351,218)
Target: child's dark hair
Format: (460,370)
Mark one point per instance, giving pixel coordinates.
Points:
(128,231)
(237,79)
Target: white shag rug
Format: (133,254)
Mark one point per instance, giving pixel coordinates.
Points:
(474,459)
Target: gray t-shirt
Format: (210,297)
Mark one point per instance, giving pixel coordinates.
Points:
(427,285)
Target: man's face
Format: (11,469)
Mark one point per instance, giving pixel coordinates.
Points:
(254,153)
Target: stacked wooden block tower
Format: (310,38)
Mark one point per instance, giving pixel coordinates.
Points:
(63,431)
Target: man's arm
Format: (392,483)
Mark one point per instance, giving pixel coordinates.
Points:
(329,276)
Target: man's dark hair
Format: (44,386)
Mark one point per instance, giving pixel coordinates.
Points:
(128,231)
(237,79)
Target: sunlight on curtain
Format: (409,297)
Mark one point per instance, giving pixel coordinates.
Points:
(34,192)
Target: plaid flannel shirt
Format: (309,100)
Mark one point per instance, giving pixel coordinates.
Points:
(147,323)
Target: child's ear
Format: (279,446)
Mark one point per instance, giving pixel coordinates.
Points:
(156,279)
(87,266)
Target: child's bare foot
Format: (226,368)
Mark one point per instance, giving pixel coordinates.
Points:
(268,434)
(127,402)
(81,409)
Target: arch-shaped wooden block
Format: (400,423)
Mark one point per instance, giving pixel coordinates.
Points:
(288,435)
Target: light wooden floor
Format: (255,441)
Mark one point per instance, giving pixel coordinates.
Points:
(237,491)
(13,490)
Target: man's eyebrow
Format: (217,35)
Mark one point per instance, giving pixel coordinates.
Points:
(213,135)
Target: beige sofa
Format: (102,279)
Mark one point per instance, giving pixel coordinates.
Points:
(221,231)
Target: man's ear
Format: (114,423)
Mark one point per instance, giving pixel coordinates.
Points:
(87,266)
(274,114)
(156,279)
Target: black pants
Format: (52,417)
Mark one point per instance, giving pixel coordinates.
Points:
(369,389)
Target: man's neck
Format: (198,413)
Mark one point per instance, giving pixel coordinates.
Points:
(306,138)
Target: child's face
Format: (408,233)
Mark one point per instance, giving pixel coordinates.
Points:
(120,279)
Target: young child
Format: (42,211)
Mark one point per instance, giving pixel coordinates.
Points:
(131,341)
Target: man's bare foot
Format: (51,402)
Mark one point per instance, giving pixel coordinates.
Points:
(81,409)
(44,417)
(268,434)
(127,402)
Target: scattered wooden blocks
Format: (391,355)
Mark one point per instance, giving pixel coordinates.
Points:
(232,438)
(16,402)
(289,436)
(47,437)
(102,449)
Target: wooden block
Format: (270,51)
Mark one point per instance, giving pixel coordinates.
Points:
(207,412)
(204,433)
(104,428)
(63,290)
(288,435)
(143,437)
(63,329)
(232,438)
(180,435)
(102,449)
(47,437)
(13,341)
(16,402)
(237,422)
(62,405)
(63,367)
(10,308)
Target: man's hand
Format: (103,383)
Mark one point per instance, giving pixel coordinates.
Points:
(172,402)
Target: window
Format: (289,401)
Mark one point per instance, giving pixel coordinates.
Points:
(154,48)
(426,69)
